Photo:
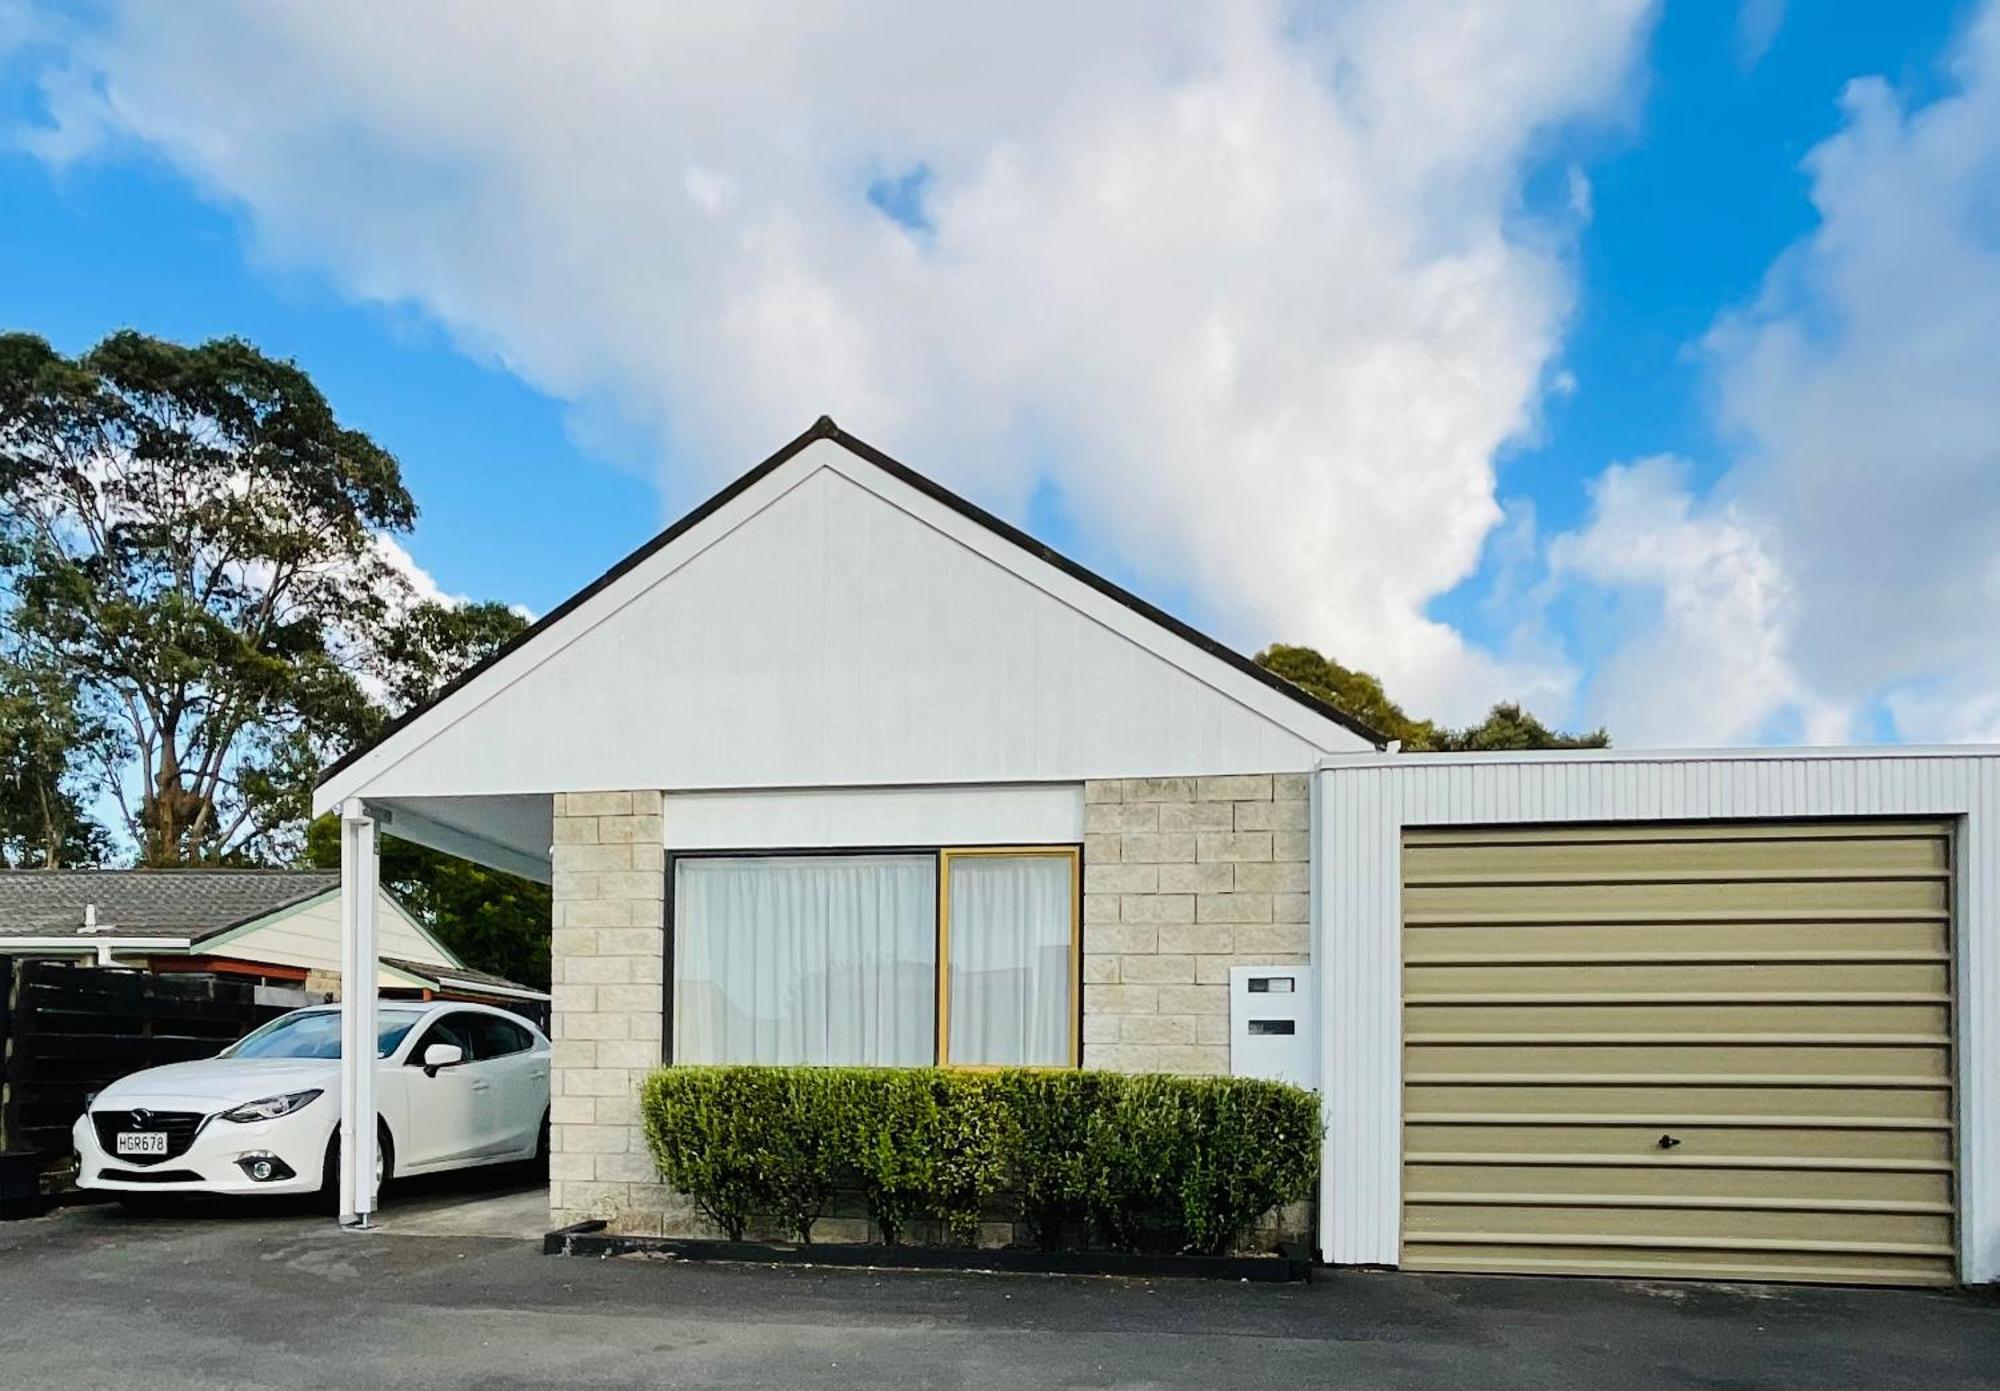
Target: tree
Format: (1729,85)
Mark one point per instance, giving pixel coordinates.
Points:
(436,642)
(44,738)
(492,920)
(191,537)
(1506,726)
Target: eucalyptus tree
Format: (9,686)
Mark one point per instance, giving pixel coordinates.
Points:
(192,542)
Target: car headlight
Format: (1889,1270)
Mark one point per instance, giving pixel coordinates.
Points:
(271,1107)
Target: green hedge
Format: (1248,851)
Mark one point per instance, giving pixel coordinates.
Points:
(1136,1162)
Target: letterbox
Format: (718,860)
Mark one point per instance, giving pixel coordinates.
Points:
(1271,1024)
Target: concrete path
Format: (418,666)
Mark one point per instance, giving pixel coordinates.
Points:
(233,1297)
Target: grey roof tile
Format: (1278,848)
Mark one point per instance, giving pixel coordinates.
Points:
(194,903)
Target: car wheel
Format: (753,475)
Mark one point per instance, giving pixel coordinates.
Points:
(542,1141)
(385,1164)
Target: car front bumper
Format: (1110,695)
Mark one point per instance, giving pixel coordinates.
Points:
(215,1162)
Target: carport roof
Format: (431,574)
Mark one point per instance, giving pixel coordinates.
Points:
(463,978)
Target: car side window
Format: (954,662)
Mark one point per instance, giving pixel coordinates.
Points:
(494,1037)
(446,1028)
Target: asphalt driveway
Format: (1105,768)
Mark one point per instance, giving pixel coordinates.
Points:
(248,1297)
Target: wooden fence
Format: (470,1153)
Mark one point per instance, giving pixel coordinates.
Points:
(67,1031)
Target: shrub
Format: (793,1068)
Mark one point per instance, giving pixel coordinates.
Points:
(927,1142)
(1053,1115)
(706,1128)
(1144,1162)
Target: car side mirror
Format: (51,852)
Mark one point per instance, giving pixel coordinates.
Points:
(439,1055)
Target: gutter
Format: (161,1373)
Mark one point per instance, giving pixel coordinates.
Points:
(475,987)
(101,947)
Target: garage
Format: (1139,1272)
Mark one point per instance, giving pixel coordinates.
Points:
(1719,1050)
(1724,1015)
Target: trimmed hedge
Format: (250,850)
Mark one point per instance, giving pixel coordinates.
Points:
(1135,1162)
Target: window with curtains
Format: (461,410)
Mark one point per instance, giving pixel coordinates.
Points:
(959,956)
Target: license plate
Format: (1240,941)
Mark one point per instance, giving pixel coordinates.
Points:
(142,1142)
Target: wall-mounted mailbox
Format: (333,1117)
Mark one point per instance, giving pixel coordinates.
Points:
(1271,1024)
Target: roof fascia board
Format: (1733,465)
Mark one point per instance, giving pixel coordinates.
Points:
(630,579)
(1403,761)
(480,987)
(1136,628)
(87,945)
(411,977)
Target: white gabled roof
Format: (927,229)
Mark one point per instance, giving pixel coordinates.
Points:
(835,619)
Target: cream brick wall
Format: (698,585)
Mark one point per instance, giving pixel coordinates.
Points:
(1184,878)
(608,954)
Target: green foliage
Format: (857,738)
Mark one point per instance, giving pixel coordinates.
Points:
(1506,726)
(1175,1163)
(1353,692)
(44,737)
(490,919)
(435,642)
(1058,1147)
(1261,1149)
(191,537)
(709,1129)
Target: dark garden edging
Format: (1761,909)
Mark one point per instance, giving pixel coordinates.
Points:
(591,1239)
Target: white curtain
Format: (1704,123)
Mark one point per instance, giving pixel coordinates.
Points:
(805,959)
(1010,959)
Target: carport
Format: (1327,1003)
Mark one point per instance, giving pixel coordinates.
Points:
(502,832)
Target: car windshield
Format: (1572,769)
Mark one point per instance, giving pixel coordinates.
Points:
(316,1034)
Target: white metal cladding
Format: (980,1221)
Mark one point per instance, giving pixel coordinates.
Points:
(833,626)
(1364,804)
(817,818)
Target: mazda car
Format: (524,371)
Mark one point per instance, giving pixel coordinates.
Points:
(456,1086)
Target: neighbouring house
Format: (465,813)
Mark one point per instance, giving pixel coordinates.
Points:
(279,929)
(840,768)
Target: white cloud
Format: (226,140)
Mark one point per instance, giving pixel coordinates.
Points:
(418,586)
(1848,564)
(1713,663)
(1258,280)
(1757,26)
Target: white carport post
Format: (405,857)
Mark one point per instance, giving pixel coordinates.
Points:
(358,977)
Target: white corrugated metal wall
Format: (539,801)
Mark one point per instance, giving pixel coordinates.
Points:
(1365,803)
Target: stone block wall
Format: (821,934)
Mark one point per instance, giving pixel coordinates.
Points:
(607,959)
(1183,879)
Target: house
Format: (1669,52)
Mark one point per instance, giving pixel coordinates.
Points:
(840,768)
(277,928)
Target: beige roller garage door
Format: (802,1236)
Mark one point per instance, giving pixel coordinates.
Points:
(1718,1051)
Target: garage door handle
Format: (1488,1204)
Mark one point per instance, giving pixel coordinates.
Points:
(1667,1142)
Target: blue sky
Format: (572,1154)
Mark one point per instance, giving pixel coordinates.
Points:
(564,356)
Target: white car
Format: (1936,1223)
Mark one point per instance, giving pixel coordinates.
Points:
(457,1085)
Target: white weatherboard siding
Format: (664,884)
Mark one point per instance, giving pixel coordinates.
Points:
(1365,804)
(308,935)
(832,626)
(817,818)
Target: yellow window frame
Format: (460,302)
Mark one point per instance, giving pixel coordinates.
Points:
(1075,857)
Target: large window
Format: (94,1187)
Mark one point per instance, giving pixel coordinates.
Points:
(966,957)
